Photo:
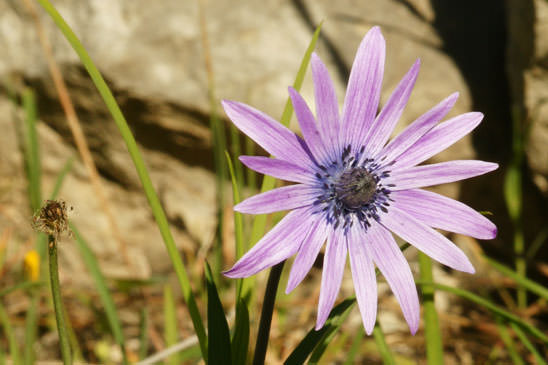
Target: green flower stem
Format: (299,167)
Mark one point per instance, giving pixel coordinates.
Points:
(57,303)
(434,346)
(266,313)
(137,159)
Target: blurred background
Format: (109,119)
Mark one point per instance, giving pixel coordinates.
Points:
(165,59)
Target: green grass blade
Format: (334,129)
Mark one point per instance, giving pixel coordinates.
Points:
(355,347)
(259,221)
(218,333)
(383,348)
(100,283)
(313,337)
(240,339)
(525,341)
(61,178)
(21,286)
(327,338)
(143,334)
(490,306)
(10,335)
(534,287)
(433,338)
(32,154)
(170,324)
(509,343)
(144,177)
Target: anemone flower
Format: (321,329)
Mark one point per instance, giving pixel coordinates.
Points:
(354,187)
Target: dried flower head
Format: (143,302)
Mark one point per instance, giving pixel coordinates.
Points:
(52,218)
(355,187)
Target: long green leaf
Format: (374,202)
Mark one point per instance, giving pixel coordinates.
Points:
(313,338)
(490,306)
(170,324)
(32,154)
(240,339)
(100,283)
(143,334)
(355,347)
(219,335)
(20,286)
(536,288)
(434,345)
(144,177)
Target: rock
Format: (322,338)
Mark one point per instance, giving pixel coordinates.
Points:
(151,54)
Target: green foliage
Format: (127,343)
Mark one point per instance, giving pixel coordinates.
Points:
(219,336)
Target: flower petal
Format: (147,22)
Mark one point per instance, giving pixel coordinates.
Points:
(307,254)
(391,112)
(444,213)
(426,239)
(275,200)
(278,244)
(279,169)
(364,89)
(308,126)
(268,133)
(327,106)
(416,130)
(393,265)
(439,138)
(363,273)
(332,274)
(438,173)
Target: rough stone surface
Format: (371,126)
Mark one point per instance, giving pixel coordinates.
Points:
(154,62)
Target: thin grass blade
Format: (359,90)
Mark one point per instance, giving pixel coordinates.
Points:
(490,306)
(433,338)
(534,287)
(142,172)
(104,294)
(382,346)
(525,341)
(143,334)
(10,335)
(170,324)
(509,342)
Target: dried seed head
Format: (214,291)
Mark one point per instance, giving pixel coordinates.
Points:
(52,218)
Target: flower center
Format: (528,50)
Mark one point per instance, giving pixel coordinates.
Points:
(355,187)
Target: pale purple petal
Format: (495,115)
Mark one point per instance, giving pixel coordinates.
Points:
(444,213)
(307,254)
(438,173)
(284,198)
(327,106)
(278,244)
(307,123)
(393,265)
(438,139)
(363,273)
(416,130)
(333,269)
(426,239)
(268,133)
(279,169)
(391,112)
(364,89)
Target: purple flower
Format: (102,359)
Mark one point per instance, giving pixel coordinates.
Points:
(353,188)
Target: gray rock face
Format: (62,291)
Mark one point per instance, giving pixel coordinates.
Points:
(151,55)
(528,67)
